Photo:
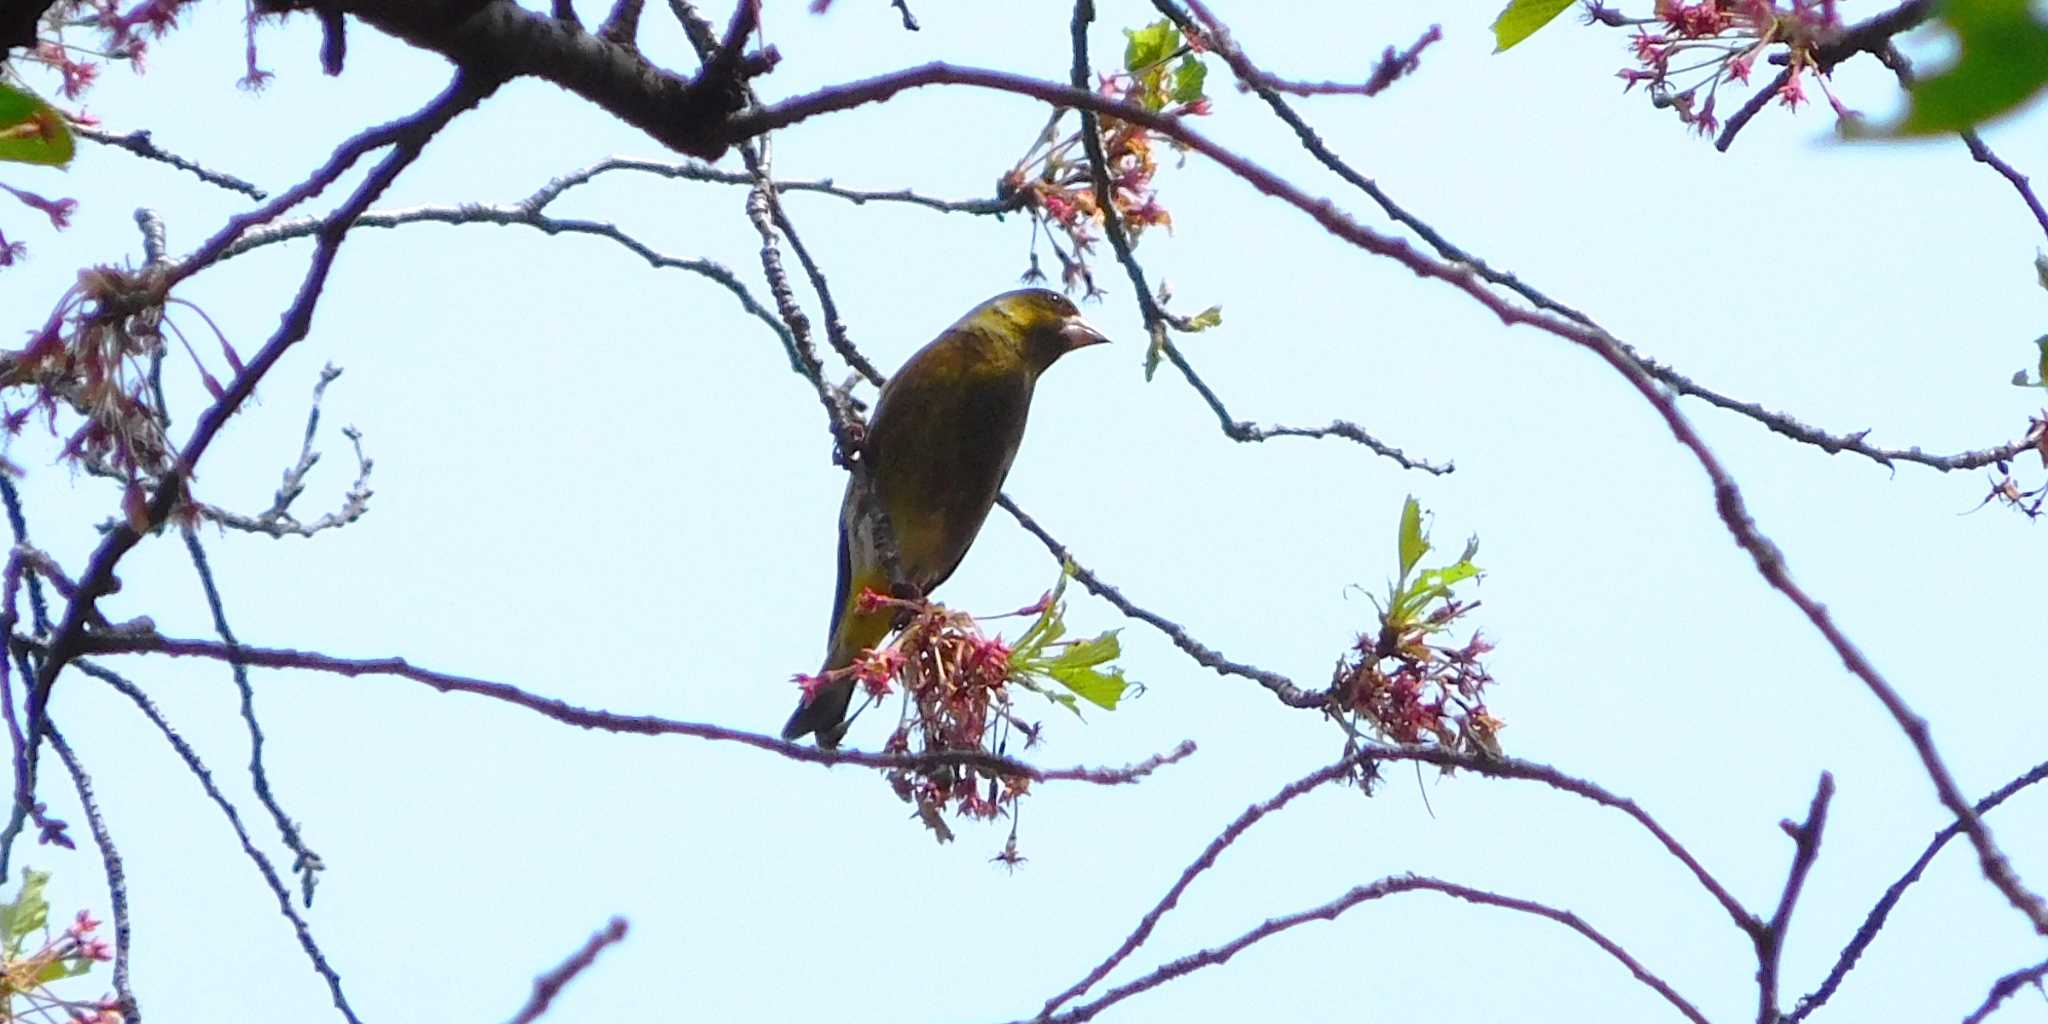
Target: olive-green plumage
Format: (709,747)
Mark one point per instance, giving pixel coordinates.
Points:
(942,438)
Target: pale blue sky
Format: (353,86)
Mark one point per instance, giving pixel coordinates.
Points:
(601,482)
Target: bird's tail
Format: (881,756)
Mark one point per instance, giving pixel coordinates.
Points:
(825,713)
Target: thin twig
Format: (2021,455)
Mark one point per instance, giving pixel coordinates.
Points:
(117,878)
(1230,834)
(1874,921)
(1156,320)
(406,137)
(1770,942)
(1361,894)
(549,985)
(1516,768)
(692,170)
(1282,687)
(277,520)
(2003,988)
(227,808)
(1851,442)
(306,864)
(1901,67)
(1984,155)
(139,143)
(519,214)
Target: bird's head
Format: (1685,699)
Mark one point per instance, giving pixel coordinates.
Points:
(1048,323)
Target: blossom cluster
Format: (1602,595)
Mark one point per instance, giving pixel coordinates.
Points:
(95,357)
(1406,683)
(1163,73)
(955,680)
(26,974)
(1685,52)
(118,34)
(1411,690)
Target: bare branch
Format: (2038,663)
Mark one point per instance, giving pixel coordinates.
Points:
(1770,562)
(500,40)
(1282,687)
(2004,987)
(407,137)
(519,215)
(1207,860)
(690,170)
(1902,68)
(1361,894)
(1393,65)
(1749,109)
(141,144)
(1770,942)
(1516,768)
(227,809)
(1157,320)
(110,861)
(277,520)
(549,985)
(1875,920)
(306,864)
(1984,155)
(606,721)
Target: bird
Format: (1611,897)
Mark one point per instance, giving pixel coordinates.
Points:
(945,430)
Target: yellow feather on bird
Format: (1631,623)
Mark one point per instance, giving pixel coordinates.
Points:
(944,433)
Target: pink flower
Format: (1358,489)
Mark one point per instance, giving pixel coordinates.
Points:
(58,210)
(809,684)
(1739,67)
(1792,94)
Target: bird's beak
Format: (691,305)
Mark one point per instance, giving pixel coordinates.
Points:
(1077,332)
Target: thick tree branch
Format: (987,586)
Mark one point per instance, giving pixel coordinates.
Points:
(499,39)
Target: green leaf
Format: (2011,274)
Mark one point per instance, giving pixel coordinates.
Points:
(2002,61)
(1442,580)
(1413,545)
(2042,343)
(32,131)
(1521,18)
(57,970)
(1047,628)
(1188,77)
(2041,267)
(28,913)
(1076,669)
(1102,689)
(1202,321)
(1149,45)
